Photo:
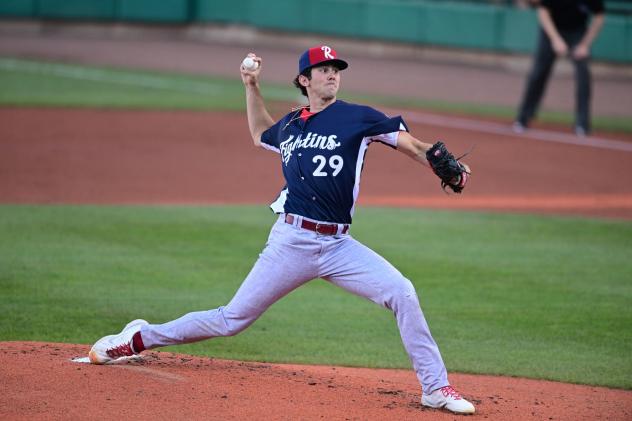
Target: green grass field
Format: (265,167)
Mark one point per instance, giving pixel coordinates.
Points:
(542,297)
(32,83)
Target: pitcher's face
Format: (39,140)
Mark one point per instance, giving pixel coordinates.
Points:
(325,82)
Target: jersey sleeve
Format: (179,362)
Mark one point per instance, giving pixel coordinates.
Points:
(270,139)
(384,129)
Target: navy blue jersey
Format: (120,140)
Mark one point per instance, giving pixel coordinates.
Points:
(572,15)
(322,158)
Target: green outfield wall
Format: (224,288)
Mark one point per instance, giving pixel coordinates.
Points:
(464,25)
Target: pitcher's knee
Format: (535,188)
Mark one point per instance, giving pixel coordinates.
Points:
(235,323)
(402,295)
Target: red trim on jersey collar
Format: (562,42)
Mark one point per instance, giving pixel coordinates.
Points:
(305,114)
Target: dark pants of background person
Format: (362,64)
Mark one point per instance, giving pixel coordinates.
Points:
(544,59)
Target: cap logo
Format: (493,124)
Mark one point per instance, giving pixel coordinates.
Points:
(327,52)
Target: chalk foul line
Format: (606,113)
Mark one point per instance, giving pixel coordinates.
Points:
(206,88)
(505,130)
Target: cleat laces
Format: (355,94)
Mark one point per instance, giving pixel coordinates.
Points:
(124,350)
(448,391)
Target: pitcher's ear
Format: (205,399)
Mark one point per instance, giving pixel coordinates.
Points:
(303,80)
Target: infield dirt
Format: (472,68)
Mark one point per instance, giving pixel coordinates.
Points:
(152,157)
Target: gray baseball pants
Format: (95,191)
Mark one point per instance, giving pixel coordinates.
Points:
(294,256)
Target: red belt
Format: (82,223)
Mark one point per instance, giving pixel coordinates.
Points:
(326,229)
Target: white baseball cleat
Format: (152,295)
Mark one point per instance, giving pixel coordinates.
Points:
(518,127)
(112,347)
(448,398)
(581,132)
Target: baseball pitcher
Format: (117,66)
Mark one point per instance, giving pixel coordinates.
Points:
(321,148)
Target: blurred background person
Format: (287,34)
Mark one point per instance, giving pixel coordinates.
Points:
(564,31)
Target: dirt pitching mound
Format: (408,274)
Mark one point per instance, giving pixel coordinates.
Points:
(40,381)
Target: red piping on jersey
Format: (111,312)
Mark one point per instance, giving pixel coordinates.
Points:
(305,114)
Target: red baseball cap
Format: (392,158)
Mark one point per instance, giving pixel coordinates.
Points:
(319,55)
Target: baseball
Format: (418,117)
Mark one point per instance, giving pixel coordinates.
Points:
(250,64)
